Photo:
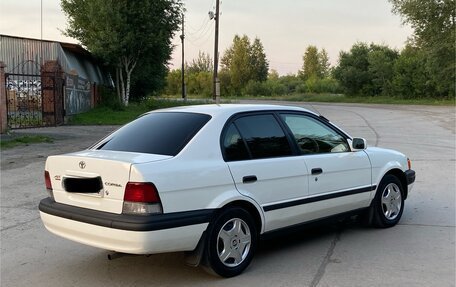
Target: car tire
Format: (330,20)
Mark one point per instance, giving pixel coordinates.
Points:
(231,242)
(388,203)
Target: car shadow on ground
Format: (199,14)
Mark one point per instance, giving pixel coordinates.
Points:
(308,246)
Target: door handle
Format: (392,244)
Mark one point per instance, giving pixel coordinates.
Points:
(316,171)
(249,179)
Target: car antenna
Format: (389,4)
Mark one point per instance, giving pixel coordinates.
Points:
(317,111)
(314,108)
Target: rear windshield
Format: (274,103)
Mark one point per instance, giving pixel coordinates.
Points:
(157,133)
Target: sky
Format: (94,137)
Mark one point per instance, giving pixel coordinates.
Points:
(285,27)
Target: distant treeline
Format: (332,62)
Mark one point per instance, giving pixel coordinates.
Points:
(424,68)
(365,70)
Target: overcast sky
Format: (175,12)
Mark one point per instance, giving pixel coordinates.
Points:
(285,27)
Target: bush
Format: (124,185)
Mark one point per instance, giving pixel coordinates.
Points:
(254,88)
(275,88)
(110,99)
(291,83)
(327,85)
(199,83)
(173,82)
(301,88)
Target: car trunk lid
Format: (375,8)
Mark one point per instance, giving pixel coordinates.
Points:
(94,179)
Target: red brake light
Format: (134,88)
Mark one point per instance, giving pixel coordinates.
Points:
(47,180)
(141,192)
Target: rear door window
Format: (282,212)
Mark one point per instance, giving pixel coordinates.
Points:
(157,133)
(264,136)
(234,145)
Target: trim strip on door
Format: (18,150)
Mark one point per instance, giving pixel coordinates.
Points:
(318,198)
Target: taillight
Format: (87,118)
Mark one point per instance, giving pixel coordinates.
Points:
(47,181)
(141,198)
(409,163)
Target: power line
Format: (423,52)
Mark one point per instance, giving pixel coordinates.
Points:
(202,33)
(203,23)
(198,42)
(201,27)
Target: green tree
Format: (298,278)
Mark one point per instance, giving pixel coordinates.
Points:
(236,61)
(148,77)
(259,63)
(433,22)
(366,70)
(323,61)
(123,34)
(315,64)
(381,61)
(203,63)
(173,82)
(353,70)
(245,62)
(311,64)
(273,75)
(411,79)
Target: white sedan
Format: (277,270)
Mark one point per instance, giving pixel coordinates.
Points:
(213,179)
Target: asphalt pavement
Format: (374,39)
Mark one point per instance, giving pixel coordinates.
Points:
(419,251)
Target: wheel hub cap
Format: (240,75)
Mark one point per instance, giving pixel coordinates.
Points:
(233,242)
(391,201)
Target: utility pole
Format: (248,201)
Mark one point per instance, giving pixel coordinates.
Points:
(216,82)
(182,36)
(41,35)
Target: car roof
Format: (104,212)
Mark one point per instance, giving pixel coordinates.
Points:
(230,109)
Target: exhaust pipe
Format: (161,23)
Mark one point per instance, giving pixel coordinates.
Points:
(116,255)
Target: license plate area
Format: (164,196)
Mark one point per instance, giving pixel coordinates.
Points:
(92,186)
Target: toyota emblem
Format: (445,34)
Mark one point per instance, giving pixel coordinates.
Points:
(82,164)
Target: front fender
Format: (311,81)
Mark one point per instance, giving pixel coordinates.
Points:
(384,161)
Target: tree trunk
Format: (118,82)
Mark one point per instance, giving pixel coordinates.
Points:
(122,87)
(118,84)
(127,91)
(129,67)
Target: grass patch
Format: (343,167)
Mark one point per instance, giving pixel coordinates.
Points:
(108,116)
(122,115)
(24,140)
(340,98)
(332,98)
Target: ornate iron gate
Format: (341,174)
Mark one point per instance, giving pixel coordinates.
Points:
(34,100)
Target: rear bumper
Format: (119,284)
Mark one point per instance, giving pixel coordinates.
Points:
(179,231)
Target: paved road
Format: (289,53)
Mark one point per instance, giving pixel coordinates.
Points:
(420,251)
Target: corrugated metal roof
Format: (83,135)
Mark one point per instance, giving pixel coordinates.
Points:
(25,56)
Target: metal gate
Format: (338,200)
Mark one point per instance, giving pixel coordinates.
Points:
(34,100)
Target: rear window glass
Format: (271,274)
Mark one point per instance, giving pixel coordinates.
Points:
(157,133)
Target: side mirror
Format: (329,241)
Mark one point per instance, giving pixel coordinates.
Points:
(359,144)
